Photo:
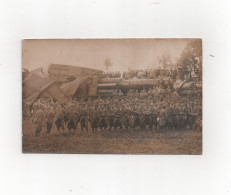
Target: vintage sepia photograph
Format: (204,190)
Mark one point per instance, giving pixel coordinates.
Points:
(112,96)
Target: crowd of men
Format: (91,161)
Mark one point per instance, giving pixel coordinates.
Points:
(114,74)
(153,109)
(143,74)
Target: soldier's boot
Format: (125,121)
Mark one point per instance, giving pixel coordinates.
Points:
(156,127)
(121,127)
(49,126)
(110,129)
(128,128)
(38,130)
(144,127)
(69,130)
(114,128)
(82,128)
(58,129)
(62,126)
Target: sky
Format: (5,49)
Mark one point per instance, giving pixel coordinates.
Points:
(91,53)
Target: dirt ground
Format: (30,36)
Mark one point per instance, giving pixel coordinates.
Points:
(120,142)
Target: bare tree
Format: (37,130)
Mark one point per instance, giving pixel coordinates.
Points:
(165,61)
(107,63)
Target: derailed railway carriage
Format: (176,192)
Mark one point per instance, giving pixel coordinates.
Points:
(78,82)
(86,82)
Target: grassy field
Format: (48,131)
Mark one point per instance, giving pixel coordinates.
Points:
(120,142)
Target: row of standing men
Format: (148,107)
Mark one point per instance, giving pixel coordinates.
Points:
(111,113)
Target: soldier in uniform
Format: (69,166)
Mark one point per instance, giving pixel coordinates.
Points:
(102,119)
(175,116)
(126,120)
(35,107)
(111,118)
(161,120)
(39,121)
(147,120)
(168,90)
(71,115)
(182,116)
(120,93)
(94,119)
(103,122)
(137,118)
(84,119)
(117,121)
(154,116)
(170,117)
(127,116)
(65,115)
(50,119)
(191,116)
(59,119)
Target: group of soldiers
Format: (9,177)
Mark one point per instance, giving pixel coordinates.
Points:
(143,74)
(115,74)
(150,73)
(146,110)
